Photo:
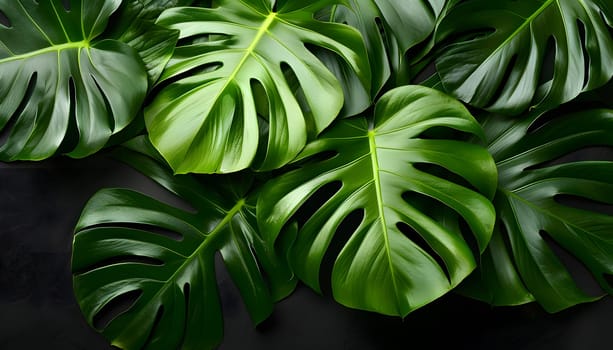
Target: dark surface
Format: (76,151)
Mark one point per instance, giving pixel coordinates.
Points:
(40,204)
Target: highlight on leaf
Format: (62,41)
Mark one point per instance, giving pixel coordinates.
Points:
(205,117)
(510,56)
(404,179)
(554,208)
(63,84)
(158,260)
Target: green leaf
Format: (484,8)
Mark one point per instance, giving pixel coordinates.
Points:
(521,264)
(390,29)
(205,120)
(384,172)
(60,82)
(499,58)
(134,24)
(118,249)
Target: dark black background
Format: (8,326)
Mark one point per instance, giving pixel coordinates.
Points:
(40,204)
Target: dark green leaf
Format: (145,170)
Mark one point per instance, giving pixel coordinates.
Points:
(381,174)
(118,249)
(390,29)
(498,58)
(61,81)
(521,264)
(134,24)
(206,121)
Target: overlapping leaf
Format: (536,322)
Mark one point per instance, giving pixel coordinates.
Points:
(60,84)
(380,175)
(134,24)
(389,28)
(535,205)
(127,242)
(499,57)
(206,120)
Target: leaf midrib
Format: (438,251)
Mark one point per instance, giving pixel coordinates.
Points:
(524,24)
(551,285)
(377,182)
(208,238)
(248,52)
(55,48)
(511,193)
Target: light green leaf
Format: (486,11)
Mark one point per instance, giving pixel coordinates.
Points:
(534,210)
(121,247)
(205,120)
(499,54)
(384,171)
(60,83)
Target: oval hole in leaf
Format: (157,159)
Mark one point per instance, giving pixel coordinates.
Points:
(380,26)
(469,35)
(578,271)
(114,308)
(232,304)
(584,203)
(506,239)
(442,132)
(71,137)
(143,227)
(210,67)
(423,203)
(66,4)
(186,294)
(598,153)
(4,20)
(541,121)
(416,238)
(443,173)
(120,260)
(586,56)
(469,237)
(547,68)
(315,201)
(8,127)
(294,84)
(109,117)
(154,326)
(202,38)
(504,81)
(344,231)
(425,73)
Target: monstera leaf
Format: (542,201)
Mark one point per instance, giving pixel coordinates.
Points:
(399,257)
(135,25)
(130,244)
(537,205)
(207,122)
(389,28)
(61,84)
(499,59)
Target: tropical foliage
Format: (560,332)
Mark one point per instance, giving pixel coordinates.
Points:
(438,143)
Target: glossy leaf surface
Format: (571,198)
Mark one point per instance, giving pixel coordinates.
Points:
(60,84)
(540,212)
(499,57)
(390,28)
(206,119)
(380,174)
(127,242)
(134,24)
